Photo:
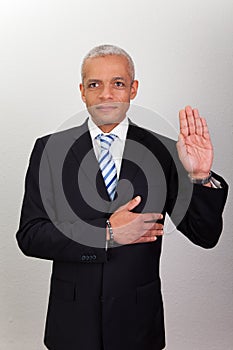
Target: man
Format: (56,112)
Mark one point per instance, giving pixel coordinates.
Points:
(95,201)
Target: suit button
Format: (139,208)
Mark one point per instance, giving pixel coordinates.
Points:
(87,257)
(83,257)
(94,257)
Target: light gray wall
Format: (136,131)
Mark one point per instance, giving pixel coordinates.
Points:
(183,53)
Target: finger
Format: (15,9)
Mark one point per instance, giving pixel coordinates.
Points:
(205,129)
(133,203)
(196,113)
(152,229)
(151,217)
(130,205)
(154,232)
(198,123)
(145,239)
(190,120)
(183,123)
(158,226)
(148,226)
(155,226)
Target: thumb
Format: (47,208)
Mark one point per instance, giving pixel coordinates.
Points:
(181,140)
(180,145)
(133,203)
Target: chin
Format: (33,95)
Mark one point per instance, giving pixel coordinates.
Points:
(108,113)
(107,119)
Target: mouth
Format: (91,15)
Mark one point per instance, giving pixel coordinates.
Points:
(106,107)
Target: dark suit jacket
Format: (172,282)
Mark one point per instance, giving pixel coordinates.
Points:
(98,297)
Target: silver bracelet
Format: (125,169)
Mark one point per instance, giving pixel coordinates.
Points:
(204,181)
(111,240)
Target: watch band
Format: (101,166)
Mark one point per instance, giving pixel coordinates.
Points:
(111,234)
(203,181)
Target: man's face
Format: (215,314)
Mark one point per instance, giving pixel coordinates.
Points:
(107,89)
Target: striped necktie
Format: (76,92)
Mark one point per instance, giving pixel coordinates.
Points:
(107,164)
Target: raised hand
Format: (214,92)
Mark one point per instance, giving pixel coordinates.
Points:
(194,145)
(130,228)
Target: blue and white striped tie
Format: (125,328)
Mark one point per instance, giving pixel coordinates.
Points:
(107,164)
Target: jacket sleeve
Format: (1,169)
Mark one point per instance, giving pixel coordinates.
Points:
(203,222)
(196,210)
(40,237)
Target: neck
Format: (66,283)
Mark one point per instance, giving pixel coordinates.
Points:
(108,127)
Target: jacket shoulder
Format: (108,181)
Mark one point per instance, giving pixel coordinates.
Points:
(71,133)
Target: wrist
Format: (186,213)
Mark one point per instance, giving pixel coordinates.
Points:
(200,178)
(201,175)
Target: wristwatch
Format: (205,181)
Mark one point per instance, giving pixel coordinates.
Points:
(111,234)
(203,181)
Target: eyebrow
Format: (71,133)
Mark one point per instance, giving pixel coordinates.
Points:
(118,78)
(98,80)
(93,81)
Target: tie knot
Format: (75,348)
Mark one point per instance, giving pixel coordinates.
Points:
(106,140)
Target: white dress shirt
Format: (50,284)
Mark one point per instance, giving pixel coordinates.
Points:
(117,147)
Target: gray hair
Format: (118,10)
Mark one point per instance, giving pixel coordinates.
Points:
(106,50)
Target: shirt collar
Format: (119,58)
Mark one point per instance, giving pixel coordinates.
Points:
(120,130)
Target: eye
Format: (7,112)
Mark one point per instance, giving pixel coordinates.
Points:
(119,84)
(93,85)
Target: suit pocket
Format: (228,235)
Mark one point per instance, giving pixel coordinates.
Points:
(149,308)
(149,293)
(63,290)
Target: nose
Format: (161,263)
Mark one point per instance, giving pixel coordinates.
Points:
(106,93)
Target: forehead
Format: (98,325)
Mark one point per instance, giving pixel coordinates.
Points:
(106,67)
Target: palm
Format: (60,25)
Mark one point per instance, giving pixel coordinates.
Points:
(194,145)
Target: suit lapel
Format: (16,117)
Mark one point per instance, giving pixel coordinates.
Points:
(83,152)
(133,155)
(133,150)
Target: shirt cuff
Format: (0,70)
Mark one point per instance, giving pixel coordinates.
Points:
(215,183)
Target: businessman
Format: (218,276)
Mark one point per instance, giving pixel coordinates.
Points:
(95,201)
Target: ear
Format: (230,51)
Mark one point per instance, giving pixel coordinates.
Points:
(134,89)
(82,90)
